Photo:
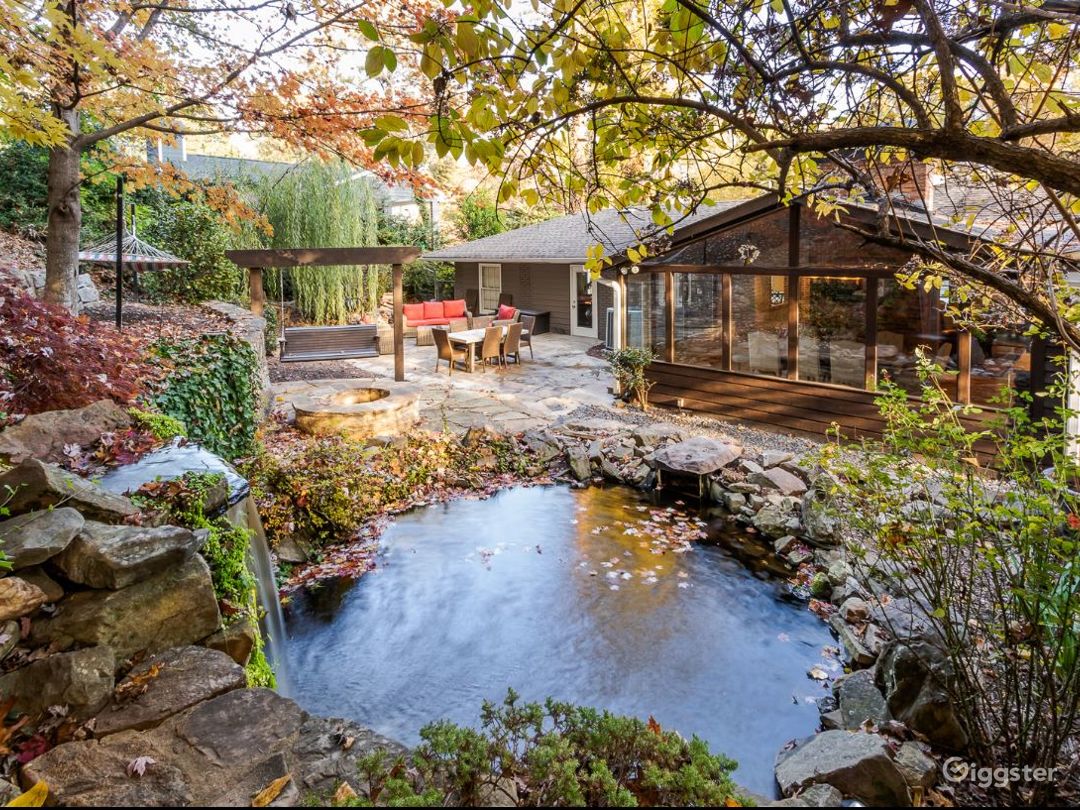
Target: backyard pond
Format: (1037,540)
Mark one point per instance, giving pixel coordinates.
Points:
(599,597)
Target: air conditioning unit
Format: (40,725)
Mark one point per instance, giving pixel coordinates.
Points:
(634,328)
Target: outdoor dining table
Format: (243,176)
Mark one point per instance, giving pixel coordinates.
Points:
(470,339)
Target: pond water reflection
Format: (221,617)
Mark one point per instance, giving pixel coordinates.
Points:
(591,596)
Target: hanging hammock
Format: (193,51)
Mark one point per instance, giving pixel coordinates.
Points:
(137,255)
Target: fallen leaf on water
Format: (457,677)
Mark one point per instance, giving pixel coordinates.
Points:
(271,791)
(34,797)
(818,674)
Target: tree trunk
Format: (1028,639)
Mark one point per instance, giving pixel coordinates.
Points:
(65,220)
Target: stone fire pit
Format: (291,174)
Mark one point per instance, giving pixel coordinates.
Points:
(358,411)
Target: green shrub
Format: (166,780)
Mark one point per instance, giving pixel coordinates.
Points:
(195,232)
(550,755)
(987,558)
(628,367)
(212,388)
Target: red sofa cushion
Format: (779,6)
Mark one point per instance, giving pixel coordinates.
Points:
(505,313)
(433,309)
(431,322)
(413,312)
(454,308)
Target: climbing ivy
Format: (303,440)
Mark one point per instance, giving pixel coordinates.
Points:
(212,388)
(162,427)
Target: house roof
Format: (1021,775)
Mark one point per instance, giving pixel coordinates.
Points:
(567,239)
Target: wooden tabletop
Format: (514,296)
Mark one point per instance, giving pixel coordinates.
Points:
(475,335)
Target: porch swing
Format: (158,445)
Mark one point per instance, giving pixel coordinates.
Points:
(305,344)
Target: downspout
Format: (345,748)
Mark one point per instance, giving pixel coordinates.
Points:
(616,325)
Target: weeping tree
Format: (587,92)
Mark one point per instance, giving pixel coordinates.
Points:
(325,205)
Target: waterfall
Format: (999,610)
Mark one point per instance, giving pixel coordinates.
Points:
(272,624)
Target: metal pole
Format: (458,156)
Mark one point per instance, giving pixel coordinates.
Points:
(399,325)
(120,252)
(134,270)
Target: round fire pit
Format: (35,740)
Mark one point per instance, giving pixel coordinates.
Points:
(360,412)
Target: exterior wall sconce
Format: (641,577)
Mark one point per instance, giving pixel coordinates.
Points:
(633,269)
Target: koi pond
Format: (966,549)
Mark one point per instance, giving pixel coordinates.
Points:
(600,597)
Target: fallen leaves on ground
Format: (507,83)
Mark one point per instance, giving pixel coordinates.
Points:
(136,685)
(265,796)
(137,767)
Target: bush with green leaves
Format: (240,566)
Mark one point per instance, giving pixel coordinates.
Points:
(550,755)
(194,232)
(628,367)
(989,559)
(211,387)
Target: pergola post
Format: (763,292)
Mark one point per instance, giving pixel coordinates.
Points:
(399,326)
(255,290)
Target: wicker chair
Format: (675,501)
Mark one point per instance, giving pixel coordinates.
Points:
(512,345)
(444,350)
(528,323)
(491,348)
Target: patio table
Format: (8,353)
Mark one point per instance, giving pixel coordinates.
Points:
(470,339)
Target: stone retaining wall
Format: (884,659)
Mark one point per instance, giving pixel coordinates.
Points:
(250,328)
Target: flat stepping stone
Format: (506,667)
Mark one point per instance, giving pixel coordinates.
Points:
(38,486)
(113,557)
(35,537)
(697,456)
(171,682)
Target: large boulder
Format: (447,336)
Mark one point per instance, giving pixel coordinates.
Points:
(36,485)
(696,456)
(167,684)
(104,556)
(861,700)
(34,537)
(220,752)
(170,609)
(912,675)
(780,479)
(776,520)
(655,434)
(821,524)
(19,598)
(578,459)
(81,680)
(44,436)
(858,765)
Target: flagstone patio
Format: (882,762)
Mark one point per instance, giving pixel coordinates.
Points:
(561,379)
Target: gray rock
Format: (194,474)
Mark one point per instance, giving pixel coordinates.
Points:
(697,456)
(9,637)
(237,641)
(44,435)
(785,544)
(774,458)
(734,501)
(640,475)
(912,675)
(854,610)
(596,450)
(749,466)
(861,700)
(744,488)
(839,571)
(854,763)
(186,676)
(821,523)
(578,459)
(49,586)
(81,680)
(656,433)
(919,770)
(832,720)
(800,555)
(19,598)
(813,796)
(103,556)
(170,609)
(542,445)
(38,486)
(610,470)
(773,520)
(852,642)
(34,537)
(779,479)
(903,618)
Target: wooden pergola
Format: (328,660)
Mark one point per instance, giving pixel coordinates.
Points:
(255,261)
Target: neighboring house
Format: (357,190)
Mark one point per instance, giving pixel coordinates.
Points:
(397,200)
(757,310)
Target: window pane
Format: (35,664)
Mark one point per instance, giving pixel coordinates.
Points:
(832,330)
(908,320)
(645,312)
(1000,366)
(759,324)
(698,319)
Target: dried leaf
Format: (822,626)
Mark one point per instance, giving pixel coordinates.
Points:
(34,797)
(271,791)
(136,684)
(138,766)
(654,727)
(344,793)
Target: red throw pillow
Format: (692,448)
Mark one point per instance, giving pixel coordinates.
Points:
(505,313)
(433,309)
(413,312)
(454,308)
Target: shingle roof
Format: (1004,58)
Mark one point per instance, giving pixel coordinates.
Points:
(568,238)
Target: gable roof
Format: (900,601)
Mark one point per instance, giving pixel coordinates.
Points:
(567,239)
